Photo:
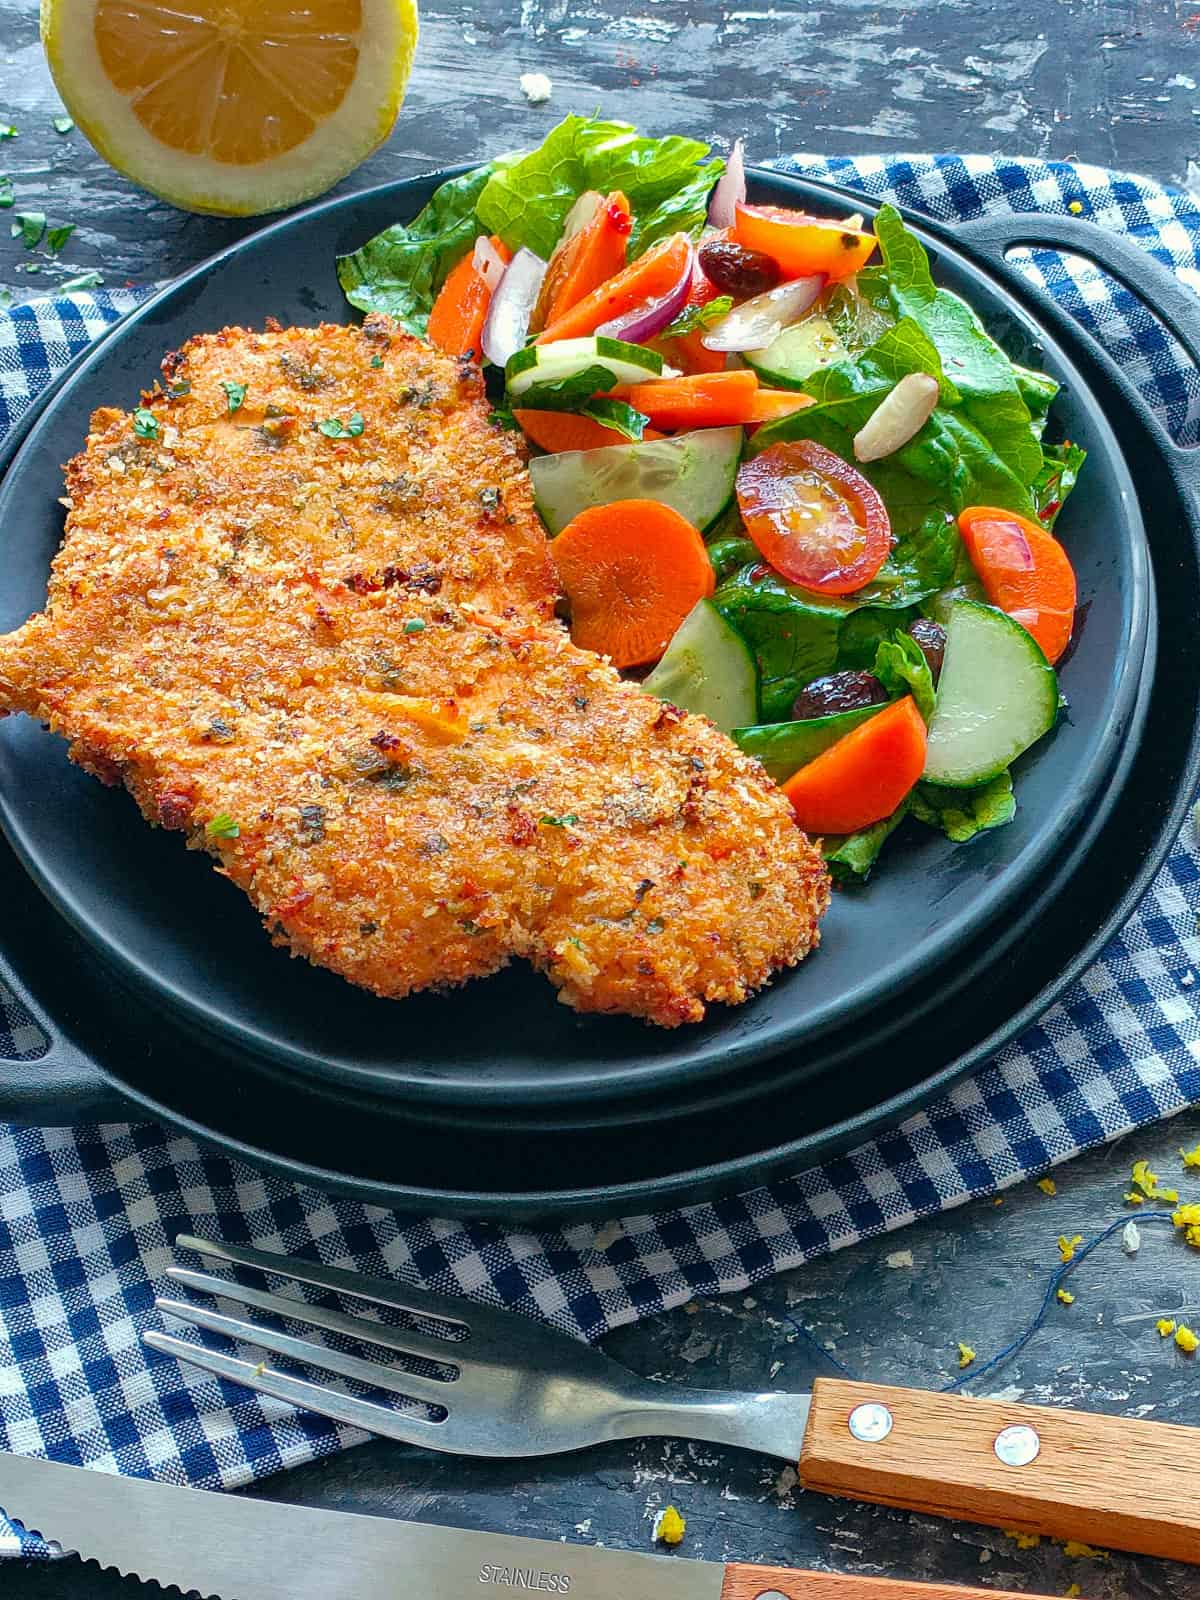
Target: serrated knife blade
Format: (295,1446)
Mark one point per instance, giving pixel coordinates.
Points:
(228,1547)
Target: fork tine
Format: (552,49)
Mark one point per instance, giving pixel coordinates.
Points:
(398,1297)
(277,1305)
(406,1426)
(409,1384)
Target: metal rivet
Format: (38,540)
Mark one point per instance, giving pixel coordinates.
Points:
(1017,1446)
(870,1423)
(770,1594)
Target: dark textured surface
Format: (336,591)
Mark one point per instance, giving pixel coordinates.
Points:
(1109,83)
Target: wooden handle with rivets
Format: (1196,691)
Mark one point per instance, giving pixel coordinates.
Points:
(785,1583)
(1108,1481)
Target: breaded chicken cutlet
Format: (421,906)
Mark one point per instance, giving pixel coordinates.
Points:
(304,611)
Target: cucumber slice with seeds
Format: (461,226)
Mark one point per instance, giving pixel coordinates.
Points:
(694,474)
(708,668)
(797,353)
(996,696)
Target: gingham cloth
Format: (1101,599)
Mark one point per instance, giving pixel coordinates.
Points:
(87,1215)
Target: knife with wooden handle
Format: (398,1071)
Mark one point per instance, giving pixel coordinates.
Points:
(229,1547)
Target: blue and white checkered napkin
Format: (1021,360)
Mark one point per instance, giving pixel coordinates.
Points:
(87,1215)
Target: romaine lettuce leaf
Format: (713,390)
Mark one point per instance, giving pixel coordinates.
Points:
(901,667)
(962,813)
(526,202)
(401,269)
(854,854)
(1056,479)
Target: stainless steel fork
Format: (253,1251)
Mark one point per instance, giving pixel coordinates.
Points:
(474,1381)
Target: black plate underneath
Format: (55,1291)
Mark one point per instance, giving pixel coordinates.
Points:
(191,946)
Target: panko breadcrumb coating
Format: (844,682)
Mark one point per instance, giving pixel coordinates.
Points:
(313,628)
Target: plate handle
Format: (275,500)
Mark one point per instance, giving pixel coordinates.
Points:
(61,1087)
(989,239)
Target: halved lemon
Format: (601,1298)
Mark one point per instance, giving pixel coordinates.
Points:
(232,106)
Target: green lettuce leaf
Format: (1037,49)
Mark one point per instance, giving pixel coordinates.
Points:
(854,854)
(962,813)
(526,201)
(401,269)
(901,667)
(1057,478)
(793,634)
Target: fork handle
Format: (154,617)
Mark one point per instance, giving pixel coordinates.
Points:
(744,1582)
(1109,1481)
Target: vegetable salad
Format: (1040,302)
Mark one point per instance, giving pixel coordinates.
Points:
(789,481)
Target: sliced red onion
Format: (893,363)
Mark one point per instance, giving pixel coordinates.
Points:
(897,418)
(756,322)
(730,190)
(489,263)
(512,306)
(652,316)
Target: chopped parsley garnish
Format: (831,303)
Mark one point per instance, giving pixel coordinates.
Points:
(693,318)
(63,125)
(7,193)
(335,428)
(57,237)
(145,423)
(7,131)
(29,226)
(502,417)
(235,393)
(416,625)
(377,361)
(567,821)
(90,280)
(222,826)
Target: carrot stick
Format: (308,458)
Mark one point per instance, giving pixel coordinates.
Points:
(461,308)
(632,570)
(563,430)
(595,254)
(768,404)
(1025,572)
(707,400)
(687,351)
(645,279)
(864,776)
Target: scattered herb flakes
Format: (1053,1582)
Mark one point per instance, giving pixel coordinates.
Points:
(145,423)
(235,394)
(567,821)
(1165,1327)
(965,1354)
(1186,1340)
(335,428)
(7,193)
(1147,1182)
(1067,1298)
(29,226)
(7,131)
(669,1527)
(222,826)
(1187,1218)
(57,237)
(93,280)
(376,361)
(502,417)
(694,318)
(489,499)
(63,125)
(1022,1540)
(1047,1186)
(1067,1247)
(1191,1158)
(414,625)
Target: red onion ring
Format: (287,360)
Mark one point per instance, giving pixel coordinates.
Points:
(756,322)
(730,189)
(644,321)
(512,306)
(489,263)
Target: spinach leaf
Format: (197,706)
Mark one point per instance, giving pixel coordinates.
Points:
(526,201)
(962,813)
(794,635)
(728,554)
(401,269)
(901,667)
(975,363)
(864,631)
(617,415)
(853,855)
(568,394)
(1056,479)
(1038,390)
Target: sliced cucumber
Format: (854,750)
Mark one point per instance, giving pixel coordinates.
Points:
(693,473)
(565,359)
(798,352)
(785,747)
(708,668)
(997,694)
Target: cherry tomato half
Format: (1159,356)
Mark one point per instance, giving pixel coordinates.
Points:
(815,519)
(803,245)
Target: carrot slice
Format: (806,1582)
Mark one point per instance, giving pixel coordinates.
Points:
(769,404)
(707,400)
(645,279)
(564,430)
(632,570)
(595,254)
(461,308)
(864,776)
(1025,572)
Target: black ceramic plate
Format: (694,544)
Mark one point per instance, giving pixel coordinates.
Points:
(189,944)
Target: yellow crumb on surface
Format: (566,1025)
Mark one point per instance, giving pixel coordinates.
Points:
(1076,1549)
(999,1200)
(1186,1340)
(965,1354)
(1135,1199)
(1187,1217)
(1148,1183)
(1075,207)
(1072,1591)
(1047,1186)
(1165,1327)
(670,1527)
(1067,1298)
(1023,1541)
(1191,1158)
(1066,1247)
